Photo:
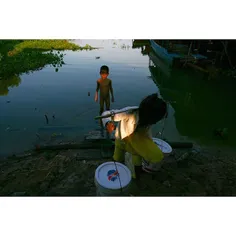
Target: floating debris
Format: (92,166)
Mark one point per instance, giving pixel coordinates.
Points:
(167,183)
(88,93)
(221,132)
(57,135)
(8,101)
(12,130)
(97,57)
(46,119)
(53,117)
(35,108)
(23,155)
(37,134)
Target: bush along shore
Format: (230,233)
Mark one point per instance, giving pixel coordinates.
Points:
(24,56)
(188,172)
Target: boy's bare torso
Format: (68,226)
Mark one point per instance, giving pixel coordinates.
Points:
(104,85)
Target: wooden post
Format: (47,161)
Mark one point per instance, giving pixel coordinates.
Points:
(225,45)
(189,51)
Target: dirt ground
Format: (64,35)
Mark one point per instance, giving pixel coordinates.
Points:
(71,173)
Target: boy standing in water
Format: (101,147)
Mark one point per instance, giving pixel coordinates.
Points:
(105,86)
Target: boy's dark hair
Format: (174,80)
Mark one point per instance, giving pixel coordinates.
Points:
(151,110)
(104,68)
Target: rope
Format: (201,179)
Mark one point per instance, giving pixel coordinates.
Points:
(121,190)
(189,52)
(162,132)
(226,52)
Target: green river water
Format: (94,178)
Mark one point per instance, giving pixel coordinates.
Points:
(197,106)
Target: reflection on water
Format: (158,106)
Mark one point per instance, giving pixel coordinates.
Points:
(201,106)
(197,106)
(14,63)
(11,82)
(64,94)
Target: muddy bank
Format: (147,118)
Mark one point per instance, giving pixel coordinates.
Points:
(71,173)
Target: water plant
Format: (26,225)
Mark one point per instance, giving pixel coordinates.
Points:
(25,56)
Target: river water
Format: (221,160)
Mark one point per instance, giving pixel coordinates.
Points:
(197,106)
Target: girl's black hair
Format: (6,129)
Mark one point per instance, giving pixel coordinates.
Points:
(151,110)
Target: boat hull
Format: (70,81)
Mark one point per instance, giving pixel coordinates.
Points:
(162,53)
(174,59)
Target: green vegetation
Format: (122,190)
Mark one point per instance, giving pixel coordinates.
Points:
(25,56)
(11,82)
(27,62)
(46,45)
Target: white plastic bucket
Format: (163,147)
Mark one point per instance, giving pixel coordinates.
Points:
(147,166)
(112,179)
(166,150)
(164,146)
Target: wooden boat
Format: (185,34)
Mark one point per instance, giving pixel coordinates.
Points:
(155,61)
(179,54)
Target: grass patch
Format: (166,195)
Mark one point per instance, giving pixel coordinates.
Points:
(46,45)
(25,56)
(11,82)
(27,62)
